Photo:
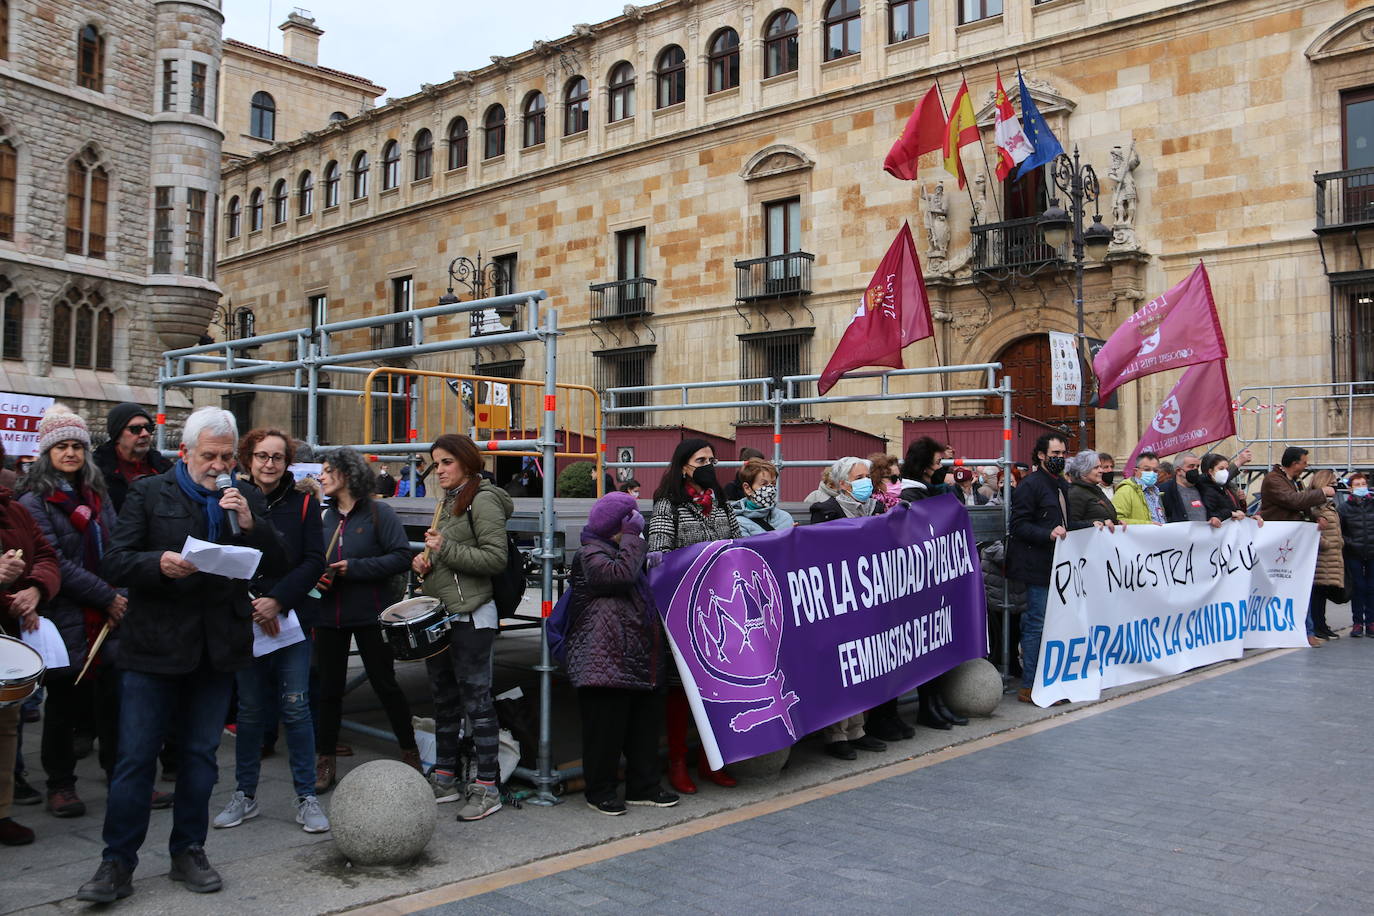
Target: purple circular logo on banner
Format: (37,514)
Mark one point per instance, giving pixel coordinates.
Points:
(735,618)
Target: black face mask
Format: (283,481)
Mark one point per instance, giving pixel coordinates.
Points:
(705,477)
(1193,477)
(1108,477)
(1055,465)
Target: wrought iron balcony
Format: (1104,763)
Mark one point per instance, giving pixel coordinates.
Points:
(1013,246)
(623,299)
(778,276)
(1345,200)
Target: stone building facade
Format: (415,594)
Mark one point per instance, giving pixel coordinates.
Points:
(643,171)
(270,97)
(109,183)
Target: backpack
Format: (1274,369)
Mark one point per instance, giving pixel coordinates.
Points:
(558,625)
(508,585)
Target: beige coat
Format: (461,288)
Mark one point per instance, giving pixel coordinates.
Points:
(1330,562)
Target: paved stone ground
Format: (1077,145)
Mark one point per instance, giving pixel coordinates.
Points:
(1245,793)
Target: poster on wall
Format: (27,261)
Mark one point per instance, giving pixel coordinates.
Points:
(1066,376)
(624,455)
(19,416)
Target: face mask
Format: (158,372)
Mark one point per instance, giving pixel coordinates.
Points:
(862,489)
(1221,477)
(765,497)
(1361,492)
(894,489)
(1055,465)
(1192,477)
(1149,478)
(1108,477)
(705,477)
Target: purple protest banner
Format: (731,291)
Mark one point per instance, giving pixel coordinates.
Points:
(779,635)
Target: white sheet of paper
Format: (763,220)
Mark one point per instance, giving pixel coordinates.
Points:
(290,634)
(47,642)
(228,560)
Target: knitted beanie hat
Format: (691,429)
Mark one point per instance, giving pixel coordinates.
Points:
(608,513)
(121,414)
(58,425)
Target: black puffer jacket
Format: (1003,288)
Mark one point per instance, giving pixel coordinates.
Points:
(1036,510)
(616,639)
(296,516)
(374,543)
(994,563)
(80,586)
(1219,501)
(1357,524)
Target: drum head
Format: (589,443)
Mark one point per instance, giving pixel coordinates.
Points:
(410,609)
(18,661)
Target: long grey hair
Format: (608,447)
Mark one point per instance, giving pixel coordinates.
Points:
(42,478)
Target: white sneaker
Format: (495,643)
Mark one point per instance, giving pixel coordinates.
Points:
(240,808)
(310,815)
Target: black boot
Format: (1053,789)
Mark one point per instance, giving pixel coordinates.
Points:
(925,711)
(886,725)
(938,703)
(112,881)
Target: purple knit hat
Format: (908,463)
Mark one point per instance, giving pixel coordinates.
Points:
(608,513)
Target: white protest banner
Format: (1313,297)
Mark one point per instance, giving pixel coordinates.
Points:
(1149,601)
(1066,376)
(19,416)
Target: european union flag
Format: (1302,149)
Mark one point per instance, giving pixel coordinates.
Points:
(1037,132)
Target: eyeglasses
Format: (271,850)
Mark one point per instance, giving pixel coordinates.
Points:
(894,478)
(139,429)
(265,458)
(704,462)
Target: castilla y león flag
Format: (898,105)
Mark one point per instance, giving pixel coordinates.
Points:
(893,313)
(1177,329)
(1197,411)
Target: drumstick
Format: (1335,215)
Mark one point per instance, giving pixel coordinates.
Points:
(95,650)
(434,523)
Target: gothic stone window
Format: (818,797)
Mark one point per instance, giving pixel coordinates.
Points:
(83,332)
(88,191)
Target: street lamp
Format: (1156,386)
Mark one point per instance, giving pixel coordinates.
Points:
(234,323)
(1079,184)
(478,278)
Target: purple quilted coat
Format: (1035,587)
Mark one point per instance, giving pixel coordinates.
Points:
(616,639)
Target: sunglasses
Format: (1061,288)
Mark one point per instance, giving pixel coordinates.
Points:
(139,428)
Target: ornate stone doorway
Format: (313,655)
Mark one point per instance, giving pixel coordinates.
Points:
(1027,362)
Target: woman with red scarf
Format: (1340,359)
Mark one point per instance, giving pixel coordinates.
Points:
(65,494)
(689,508)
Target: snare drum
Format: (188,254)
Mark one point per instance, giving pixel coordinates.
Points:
(415,628)
(21,667)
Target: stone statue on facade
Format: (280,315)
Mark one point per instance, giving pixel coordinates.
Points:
(980,199)
(937,220)
(1124,197)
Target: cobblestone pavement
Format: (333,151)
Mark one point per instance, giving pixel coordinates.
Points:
(1246,793)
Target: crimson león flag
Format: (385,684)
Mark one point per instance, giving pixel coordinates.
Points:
(924,133)
(894,312)
(1197,411)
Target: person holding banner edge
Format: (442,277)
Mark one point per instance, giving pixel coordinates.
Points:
(689,507)
(1222,502)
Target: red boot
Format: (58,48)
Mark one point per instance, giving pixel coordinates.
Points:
(676,715)
(719,777)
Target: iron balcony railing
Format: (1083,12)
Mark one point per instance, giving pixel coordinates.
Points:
(1345,199)
(778,276)
(1013,245)
(622,298)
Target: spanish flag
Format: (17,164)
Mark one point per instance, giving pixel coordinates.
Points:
(962,130)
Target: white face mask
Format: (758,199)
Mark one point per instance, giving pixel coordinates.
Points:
(1221,477)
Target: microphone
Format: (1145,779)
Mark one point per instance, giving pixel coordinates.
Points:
(225,482)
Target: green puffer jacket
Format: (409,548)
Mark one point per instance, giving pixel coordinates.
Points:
(471,562)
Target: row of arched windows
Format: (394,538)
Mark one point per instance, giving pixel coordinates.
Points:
(83,328)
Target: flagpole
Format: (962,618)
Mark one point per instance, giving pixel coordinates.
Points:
(983,148)
(968,185)
(944,383)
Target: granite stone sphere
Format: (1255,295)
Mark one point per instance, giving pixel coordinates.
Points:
(382,813)
(973,688)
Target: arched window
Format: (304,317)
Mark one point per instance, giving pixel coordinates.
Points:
(233,218)
(331,184)
(305,194)
(88,192)
(780,44)
(724,60)
(11,318)
(83,331)
(672,77)
(337,116)
(842,28)
(424,155)
(457,143)
(621,93)
(279,201)
(255,210)
(9,183)
(263,121)
(90,58)
(907,19)
(494,132)
(577,102)
(391,165)
(360,167)
(532,121)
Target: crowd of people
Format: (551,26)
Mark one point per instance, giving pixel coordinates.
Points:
(93,540)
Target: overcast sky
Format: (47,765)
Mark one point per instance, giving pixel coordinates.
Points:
(400,44)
